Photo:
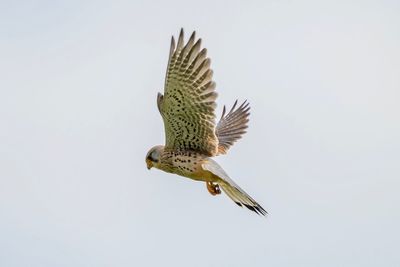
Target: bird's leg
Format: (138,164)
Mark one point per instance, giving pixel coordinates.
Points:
(213,188)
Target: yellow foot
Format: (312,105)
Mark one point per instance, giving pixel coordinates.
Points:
(213,188)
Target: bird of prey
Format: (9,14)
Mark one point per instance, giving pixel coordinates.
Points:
(192,136)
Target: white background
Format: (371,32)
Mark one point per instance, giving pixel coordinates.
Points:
(78,114)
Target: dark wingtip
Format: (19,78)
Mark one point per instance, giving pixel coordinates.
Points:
(239,204)
(193,36)
(234,106)
(245,105)
(257,209)
(223,112)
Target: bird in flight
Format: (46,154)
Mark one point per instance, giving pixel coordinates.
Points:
(192,136)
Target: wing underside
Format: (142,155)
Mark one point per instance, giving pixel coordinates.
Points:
(188,103)
(232,126)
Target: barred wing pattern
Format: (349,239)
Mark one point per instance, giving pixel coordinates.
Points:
(188,104)
(231,127)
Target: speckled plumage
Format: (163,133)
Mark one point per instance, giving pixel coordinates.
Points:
(184,163)
(188,104)
(191,135)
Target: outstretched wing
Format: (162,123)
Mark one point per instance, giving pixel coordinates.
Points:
(231,127)
(188,104)
(237,194)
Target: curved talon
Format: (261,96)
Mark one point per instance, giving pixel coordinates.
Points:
(213,188)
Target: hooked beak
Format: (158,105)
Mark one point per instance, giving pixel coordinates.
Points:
(149,164)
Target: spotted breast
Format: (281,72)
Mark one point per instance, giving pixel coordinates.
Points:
(185,163)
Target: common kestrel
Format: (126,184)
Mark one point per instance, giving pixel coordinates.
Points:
(191,135)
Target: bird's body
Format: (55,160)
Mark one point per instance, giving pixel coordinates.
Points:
(184,163)
(192,136)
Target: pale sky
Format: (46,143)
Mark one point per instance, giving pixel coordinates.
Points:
(78,114)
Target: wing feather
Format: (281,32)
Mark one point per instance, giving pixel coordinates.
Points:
(231,127)
(188,104)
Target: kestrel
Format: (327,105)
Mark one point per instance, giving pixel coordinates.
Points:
(191,135)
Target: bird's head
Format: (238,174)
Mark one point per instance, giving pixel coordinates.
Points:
(153,157)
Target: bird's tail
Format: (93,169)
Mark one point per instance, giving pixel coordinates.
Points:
(241,198)
(234,192)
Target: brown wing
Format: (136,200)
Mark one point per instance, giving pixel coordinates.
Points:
(188,104)
(231,127)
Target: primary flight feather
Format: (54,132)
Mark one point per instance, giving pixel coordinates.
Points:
(191,135)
